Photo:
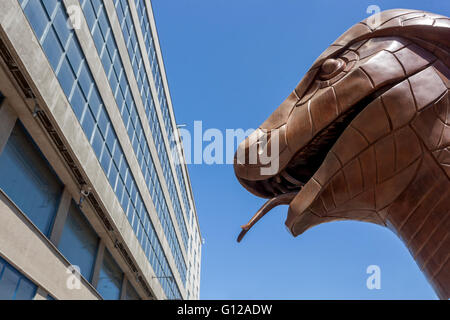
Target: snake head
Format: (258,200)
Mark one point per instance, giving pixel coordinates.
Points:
(317,142)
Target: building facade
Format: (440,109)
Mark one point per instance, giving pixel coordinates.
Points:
(95,197)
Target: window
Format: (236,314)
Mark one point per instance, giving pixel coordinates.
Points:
(79,242)
(35,12)
(52,46)
(28,180)
(110,279)
(13,285)
(130,293)
(66,77)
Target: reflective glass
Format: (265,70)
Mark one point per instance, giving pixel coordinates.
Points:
(13,285)
(110,279)
(28,180)
(79,241)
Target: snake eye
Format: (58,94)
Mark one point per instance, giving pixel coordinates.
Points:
(330,68)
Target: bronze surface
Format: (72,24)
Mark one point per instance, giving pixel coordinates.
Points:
(366,136)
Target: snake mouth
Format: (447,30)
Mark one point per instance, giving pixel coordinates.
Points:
(284,186)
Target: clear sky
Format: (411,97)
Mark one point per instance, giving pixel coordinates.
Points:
(230,63)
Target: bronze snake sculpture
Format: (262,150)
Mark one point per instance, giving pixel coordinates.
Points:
(365,136)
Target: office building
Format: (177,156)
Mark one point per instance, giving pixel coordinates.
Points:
(95,197)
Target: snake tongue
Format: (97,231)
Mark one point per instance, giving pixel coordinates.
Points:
(276,201)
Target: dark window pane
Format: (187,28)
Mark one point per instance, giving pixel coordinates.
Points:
(113,82)
(13,285)
(113,175)
(28,180)
(130,293)
(106,61)
(119,189)
(49,6)
(98,38)
(79,242)
(89,14)
(88,124)
(117,154)
(26,290)
(37,17)
(66,77)
(8,283)
(103,23)
(110,139)
(110,279)
(103,121)
(97,144)
(52,49)
(106,160)
(75,55)
(95,103)
(78,102)
(85,80)
(96,4)
(61,26)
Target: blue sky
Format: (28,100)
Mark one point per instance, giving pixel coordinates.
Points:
(230,63)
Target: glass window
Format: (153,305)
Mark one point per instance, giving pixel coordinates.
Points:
(103,23)
(97,144)
(78,102)
(106,160)
(52,48)
(85,79)
(106,60)
(110,139)
(113,82)
(96,4)
(74,55)
(130,293)
(13,285)
(60,24)
(98,38)
(88,124)
(37,17)
(110,279)
(103,121)
(95,103)
(113,175)
(119,189)
(79,241)
(50,6)
(25,290)
(8,283)
(28,179)
(89,14)
(66,77)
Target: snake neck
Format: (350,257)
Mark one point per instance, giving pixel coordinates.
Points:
(420,216)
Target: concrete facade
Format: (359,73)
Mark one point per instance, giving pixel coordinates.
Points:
(34,96)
